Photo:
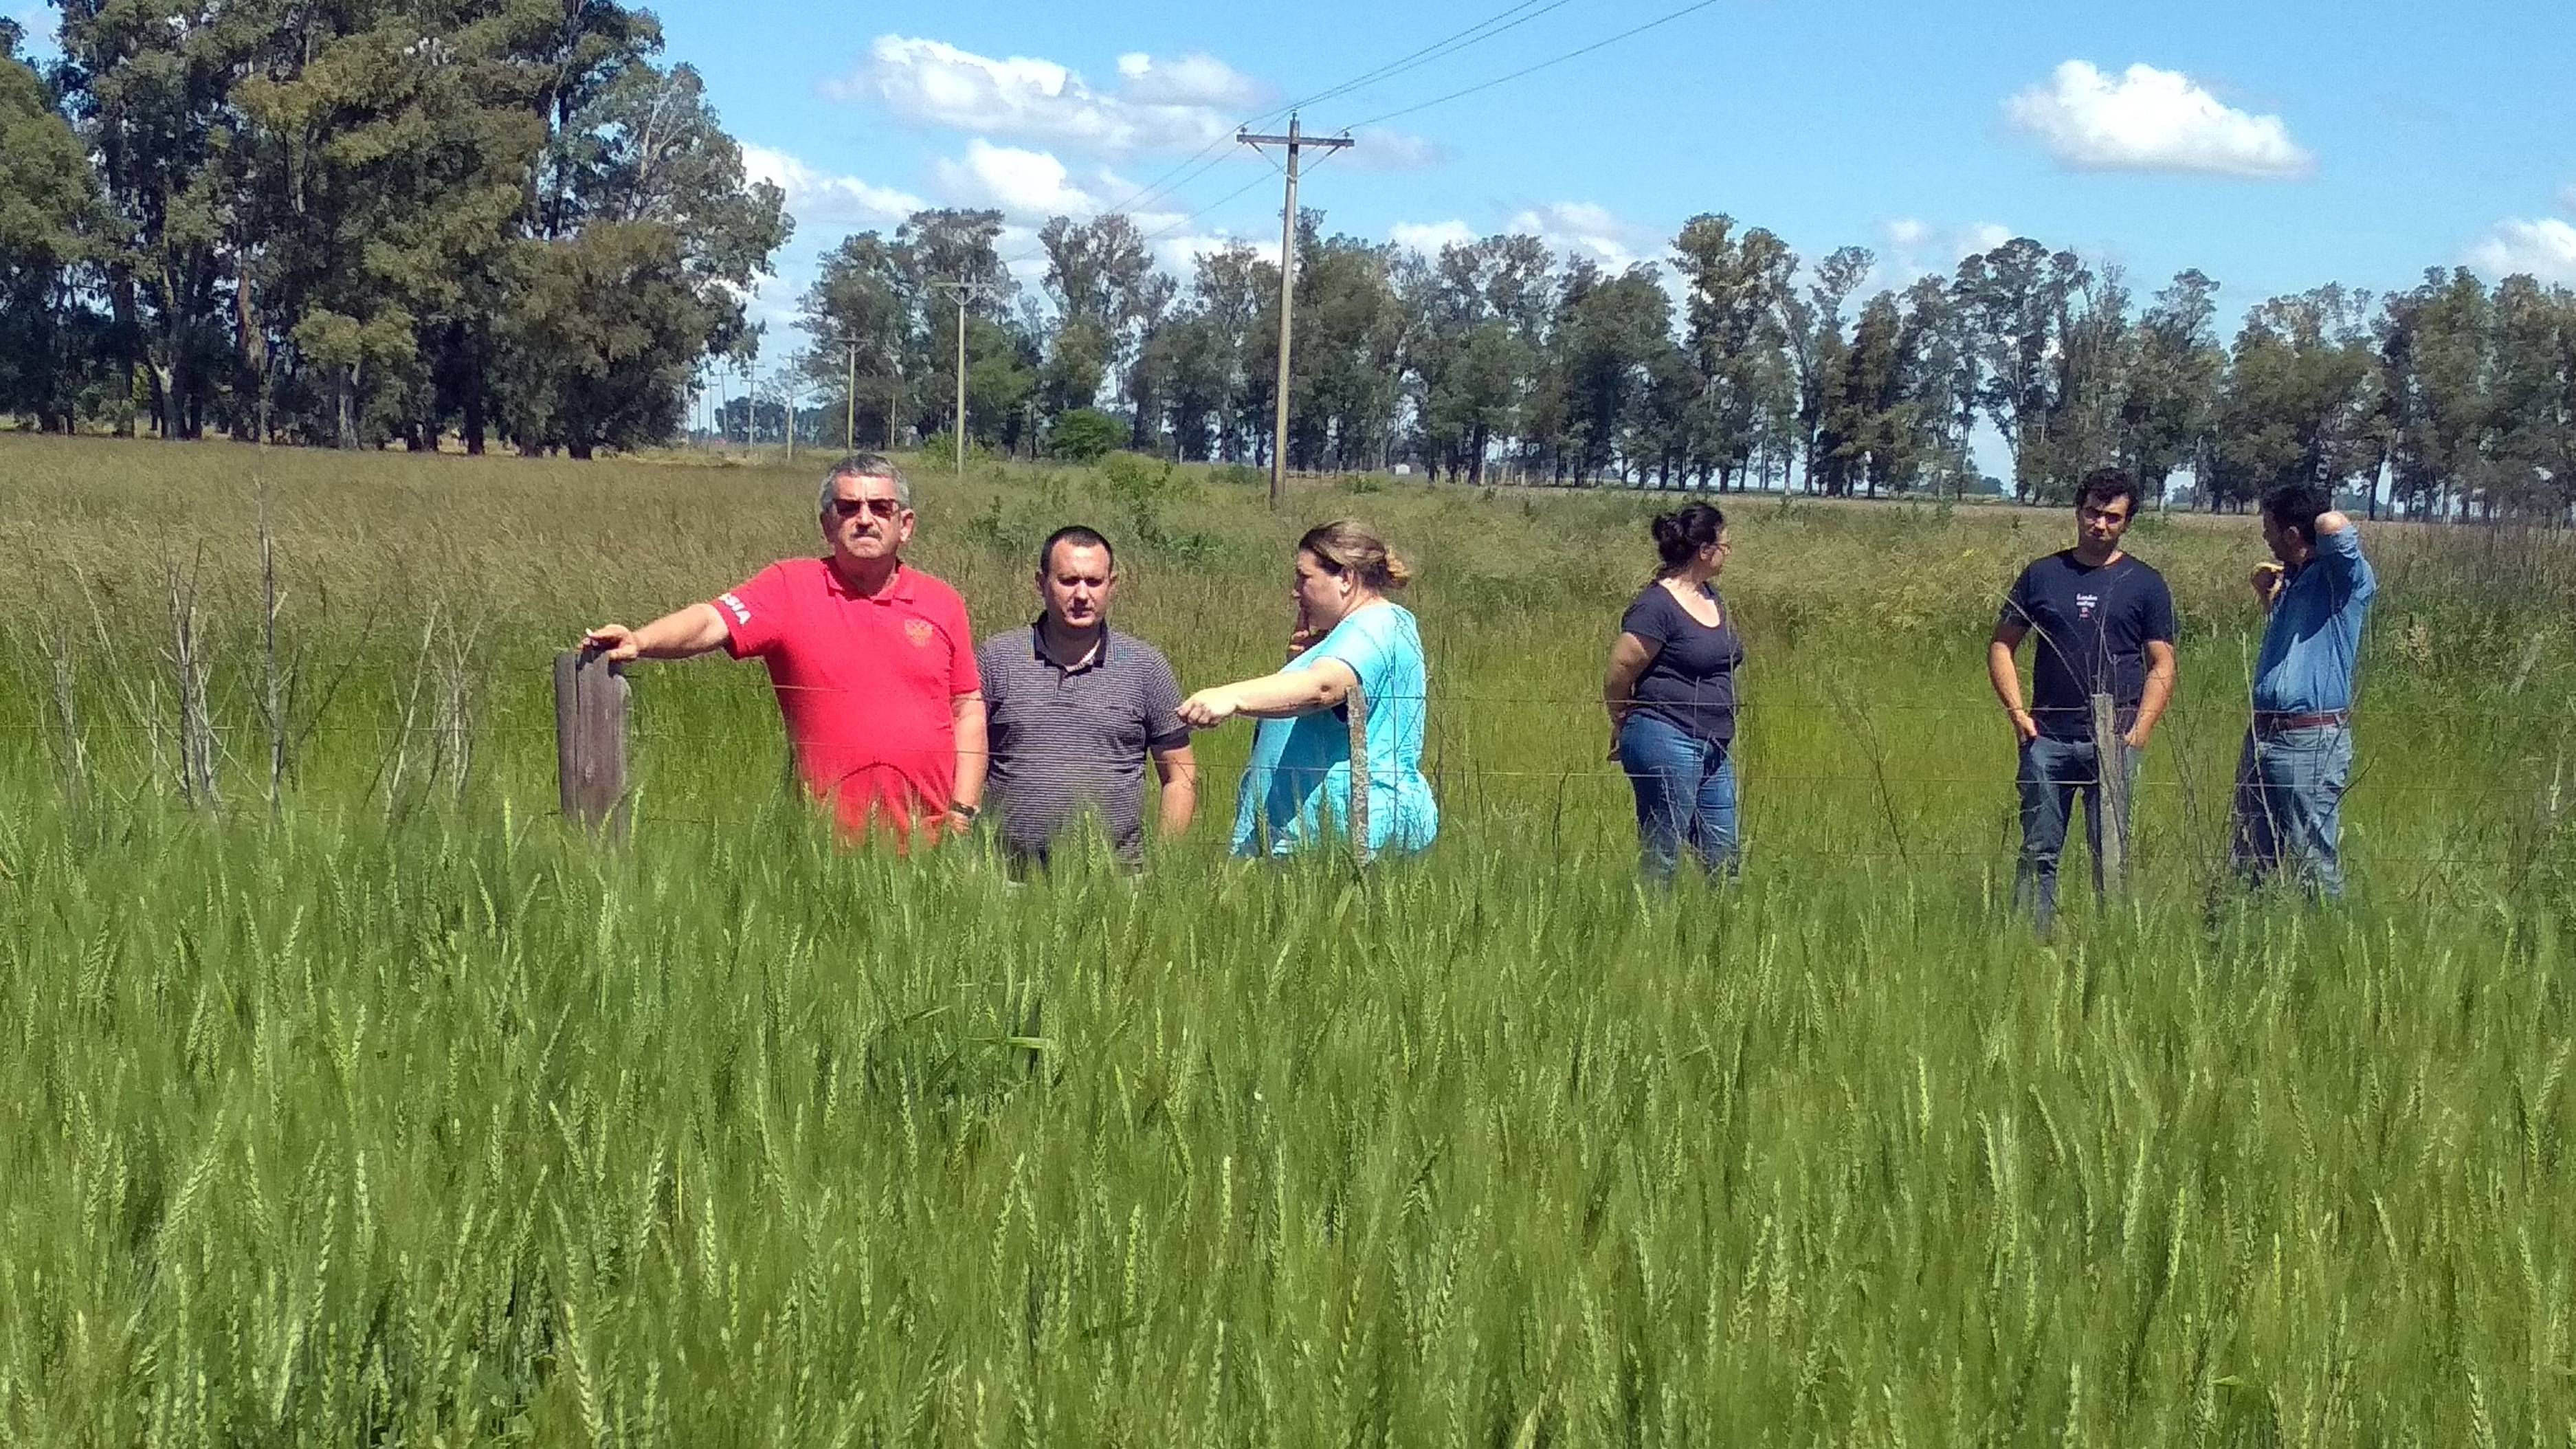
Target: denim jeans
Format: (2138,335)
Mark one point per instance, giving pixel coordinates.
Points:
(2289,806)
(2052,772)
(1685,795)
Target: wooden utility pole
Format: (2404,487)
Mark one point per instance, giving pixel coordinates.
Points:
(1295,141)
(788,392)
(961,290)
(850,402)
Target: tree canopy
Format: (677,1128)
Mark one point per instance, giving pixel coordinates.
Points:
(381,221)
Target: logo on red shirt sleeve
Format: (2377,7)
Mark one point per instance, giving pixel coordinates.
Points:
(741,614)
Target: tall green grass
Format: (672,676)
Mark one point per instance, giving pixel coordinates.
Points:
(400,1115)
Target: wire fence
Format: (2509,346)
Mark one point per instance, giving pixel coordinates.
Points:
(1757,722)
(1878,796)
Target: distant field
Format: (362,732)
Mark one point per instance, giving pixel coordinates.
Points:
(386,1111)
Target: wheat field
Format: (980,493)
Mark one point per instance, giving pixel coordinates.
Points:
(355,1099)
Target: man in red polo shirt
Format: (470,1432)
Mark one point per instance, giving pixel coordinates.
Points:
(872,662)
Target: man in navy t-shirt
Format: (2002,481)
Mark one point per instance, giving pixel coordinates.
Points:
(2105,623)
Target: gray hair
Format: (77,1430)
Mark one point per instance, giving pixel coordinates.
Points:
(863,465)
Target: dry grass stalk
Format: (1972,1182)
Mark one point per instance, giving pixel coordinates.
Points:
(197,748)
(72,749)
(272,676)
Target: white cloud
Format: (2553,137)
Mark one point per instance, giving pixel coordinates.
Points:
(2567,197)
(2152,120)
(1912,248)
(2545,248)
(1195,79)
(1578,228)
(1019,182)
(1164,105)
(1428,237)
(772,302)
(1979,236)
(1179,255)
(1380,149)
(1125,194)
(818,197)
(1586,229)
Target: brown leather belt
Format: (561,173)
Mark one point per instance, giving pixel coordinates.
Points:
(2274,724)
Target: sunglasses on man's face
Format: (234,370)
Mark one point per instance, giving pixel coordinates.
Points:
(853,507)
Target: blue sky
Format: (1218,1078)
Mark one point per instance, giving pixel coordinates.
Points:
(2274,144)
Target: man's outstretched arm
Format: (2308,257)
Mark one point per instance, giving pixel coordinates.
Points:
(676,635)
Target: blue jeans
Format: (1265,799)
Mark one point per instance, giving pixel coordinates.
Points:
(1685,795)
(2289,806)
(2052,772)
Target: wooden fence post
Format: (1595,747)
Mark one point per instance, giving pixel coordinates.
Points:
(590,740)
(2111,787)
(1358,816)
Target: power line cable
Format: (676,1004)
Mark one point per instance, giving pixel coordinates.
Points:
(1664,19)
(1446,45)
(1489,27)
(1437,50)
(1483,30)
(1204,210)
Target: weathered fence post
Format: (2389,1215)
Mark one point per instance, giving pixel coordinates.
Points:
(590,740)
(1358,817)
(2111,785)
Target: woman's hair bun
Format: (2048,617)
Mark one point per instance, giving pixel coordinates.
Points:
(1348,546)
(1685,531)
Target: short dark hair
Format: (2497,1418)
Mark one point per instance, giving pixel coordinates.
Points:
(1685,531)
(2105,486)
(1079,537)
(2298,505)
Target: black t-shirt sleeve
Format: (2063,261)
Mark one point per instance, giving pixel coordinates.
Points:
(2160,611)
(2017,610)
(1650,617)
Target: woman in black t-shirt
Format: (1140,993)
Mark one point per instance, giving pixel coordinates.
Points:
(1670,689)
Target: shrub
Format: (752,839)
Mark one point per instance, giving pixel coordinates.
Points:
(941,447)
(1084,435)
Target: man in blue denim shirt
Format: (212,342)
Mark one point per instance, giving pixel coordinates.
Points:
(2298,755)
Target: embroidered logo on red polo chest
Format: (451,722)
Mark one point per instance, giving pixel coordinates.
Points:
(919,631)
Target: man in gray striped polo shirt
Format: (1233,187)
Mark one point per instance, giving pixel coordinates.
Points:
(1075,708)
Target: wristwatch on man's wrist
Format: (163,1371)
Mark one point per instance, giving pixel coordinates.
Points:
(963,811)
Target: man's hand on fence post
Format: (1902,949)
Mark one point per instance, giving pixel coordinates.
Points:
(616,641)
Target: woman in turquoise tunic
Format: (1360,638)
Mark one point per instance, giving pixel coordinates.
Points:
(1350,635)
